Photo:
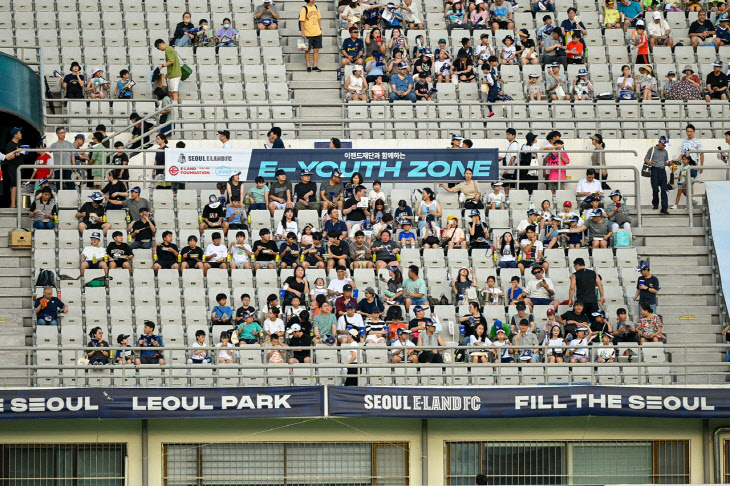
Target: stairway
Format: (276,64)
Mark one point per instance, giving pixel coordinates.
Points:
(313,87)
(15,296)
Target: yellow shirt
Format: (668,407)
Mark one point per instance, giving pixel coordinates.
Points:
(310,16)
(611,16)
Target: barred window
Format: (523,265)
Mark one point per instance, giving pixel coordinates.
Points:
(569,462)
(293,464)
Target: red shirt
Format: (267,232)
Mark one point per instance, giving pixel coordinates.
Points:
(341,305)
(574,45)
(43,160)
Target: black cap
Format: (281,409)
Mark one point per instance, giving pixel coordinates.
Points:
(347,287)
(121,338)
(520,306)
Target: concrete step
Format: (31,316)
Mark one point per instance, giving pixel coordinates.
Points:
(661,251)
(327,61)
(304,76)
(316,85)
(312,111)
(673,241)
(652,231)
(675,261)
(681,280)
(665,221)
(665,270)
(323,131)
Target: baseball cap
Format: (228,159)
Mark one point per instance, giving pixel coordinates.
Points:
(403,331)
(431,322)
(442,40)
(532,211)
(717,63)
(15,130)
(550,312)
(136,189)
(671,73)
(96,196)
(524,322)
(520,306)
(225,133)
(337,173)
(417,309)
(581,328)
(568,203)
(350,305)
(555,64)
(402,65)
(457,136)
(213,201)
(122,337)
(347,287)
(534,75)
(427,52)
(357,67)
(643,265)
(501,330)
(497,184)
(582,72)
(599,313)
(306,172)
(474,212)
(370,290)
(80,136)
(146,210)
(96,235)
(296,327)
(657,15)
(549,30)
(664,140)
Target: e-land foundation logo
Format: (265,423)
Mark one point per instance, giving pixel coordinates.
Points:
(173,170)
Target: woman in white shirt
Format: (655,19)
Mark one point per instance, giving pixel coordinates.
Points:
(353,341)
(286,225)
(626,82)
(225,355)
(356,85)
(479,338)
(554,339)
(508,250)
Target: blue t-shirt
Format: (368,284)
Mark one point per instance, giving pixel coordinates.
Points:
(396,20)
(148,342)
(339,227)
(353,47)
(219,310)
(402,84)
(51,308)
(310,258)
(289,258)
(406,235)
(631,10)
(237,219)
(513,295)
(405,212)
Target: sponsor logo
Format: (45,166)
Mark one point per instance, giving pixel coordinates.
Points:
(225,171)
(173,170)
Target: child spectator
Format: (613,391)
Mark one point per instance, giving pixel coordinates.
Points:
(534,90)
(150,340)
(314,254)
(276,356)
(221,314)
(248,331)
(378,90)
(290,251)
(509,51)
(515,294)
(640,43)
(192,255)
(225,355)
(257,197)
(582,87)
(606,353)
(496,199)
(611,15)
(236,215)
(574,49)
(508,250)
(273,324)
(246,307)
(407,237)
(240,252)
(503,342)
(123,88)
(216,254)
(125,355)
(265,250)
(492,293)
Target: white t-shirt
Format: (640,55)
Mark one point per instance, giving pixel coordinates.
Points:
(294,311)
(502,344)
(336,285)
(274,327)
(508,52)
(524,224)
(355,321)
(505,254)
(202,353)
(483,52)
(473,340)
(498,199)
(694,144)
(606,352)
(374,196)
(537,247)
(239,255)
(91,251)
(629,82)
(217,253)
(407,344)
(590,187)
(511,158)
(224,352)
(493,294)
(535,289)
(555,342)
(579,347)
(291,227)
(227,145)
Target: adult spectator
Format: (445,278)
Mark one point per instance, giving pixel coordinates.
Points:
(306,193)
(571,26)
(589,186)
(702,31)
(330,192)
(63,158)
(659,32)
(310,25)
(631,12)
(93,256)
(121,159)
(432,340)
(165,254)
(46,308)
(371,307)
(532,250)
(553,49)
(297,341)
(456,17)
(692,143)
(351,358)
(423,67)
(353,48)
(556,83)
(150,340)
(267,16)
(225,137)
(386,251)
(14,158)
(360,253)
(181,37)
(274,137)
(716,83)
(414,288)
(575,317)
(334,223)
(216,253)
(540,290)
(143,230)
(174,68)
(374,69)
(356,208)
(280,192)
(526,342)
(97,356)
(119,252)
(400,347)
(338,286)
(43,211)
(529,48)
(265,250)
(583,285)
(618,212)
(74,82)
(226,35)
(429,210)
(214,216)
(410,14)
(356,86)
(115,191)
(501,13)
(647,287)
(140,128)
(658,158)
(402,85)
(464,68)
(650,326)
(598,158)
(599,232)
(510,159)
(92,214)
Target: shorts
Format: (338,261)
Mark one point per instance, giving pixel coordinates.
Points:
(249,341)
(315,42)
(527,263)
(166,265)
(717,96)
(552,186)
(191,263)
(150,359)
(509,177)
(540,301)
(417,300)
(506,360)
(279,205)
(92,265)
(173,85)
(94,226)
(119,263)
(214,264)
(502,23)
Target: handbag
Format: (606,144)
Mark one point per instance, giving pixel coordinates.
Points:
(560,92)
(533,172)
(646,168)
(186,72)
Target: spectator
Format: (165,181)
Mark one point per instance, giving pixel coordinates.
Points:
(583,285)
(115,191)
(265,250)
(125,355)
(165,253)
(723,32)
(691,77)
(120,159)
(360,253)
(546,30)
(553,49)
(14,152)
(236,215)
(74,82)
(508,251)
(63,158)
(280,192)
(453,236)
(374,43)
(554,340)
(532,251)
(527,343)
(334,224)
(501,14)
(140,128)
(658,158)
(258,196)
(556,177)
(598,158)
(310,25)
(94,256)
(647,287)
(47,308)
(400,352)
(192,255)
(631,12)
(93,214)
(589,186)
(717,83)
(479,17)
(402,85)
(571,27)
(611,15)
(599,232)
(478,231)
(429,210)
(240,252)
(274,136)
(143,230)
(462,283)
(353,48)
(640,43)
(273,325)
(424,65)
(97,356)
(573,318)
(469,188)
(97,84)
(464,68)
(226,35)
(386,251)
(203,37)
(430,339)
(556,83)
(375,72)
(624,331)
(356,208)
(456,17)
(574,49)
(650,326)
(150,340)
(542,6)
(528,51)
(502,342)
(351,358)
(540,290)
(306,192)
(174,68)
(618,212)
(659,32)
(267,16)
(182,37)
(119,252)
(214,216)
(286,225)
(338,251)
(43,211)
(299,338)
(216,253)
(410,14)
(579,352)
(356,86)
(482,52)
(414,288)
(702,31)
(222,314)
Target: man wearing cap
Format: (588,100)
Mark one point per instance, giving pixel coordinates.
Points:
(120,253)
(597,225)
(214,216)
(400,352)
(417,325)
(298,340)
(143,230)
(527,343)
(525,223)
(344,299)
(350,320)
(540,290)
(43,210)
(47,308)
(647,287)
(93,256)
(583,285)
(658,31)
(274,137)
(521,314)
(266,15)
(716,83)
(371,307)
(573,318)
(92,214)
(306,193)
(280,192)
(165,253)
(401,85)
(225,137)
(702,31)
(430,339)
(658,158)
(330,191)
(554,79)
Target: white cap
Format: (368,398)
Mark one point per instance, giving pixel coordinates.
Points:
(657,15)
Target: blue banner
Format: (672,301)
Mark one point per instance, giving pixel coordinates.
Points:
(528,402)
(162,403)
(386,165)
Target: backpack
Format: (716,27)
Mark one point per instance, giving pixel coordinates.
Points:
(306,14)
(46,278)
(98,282)
(394,312)
(621,239)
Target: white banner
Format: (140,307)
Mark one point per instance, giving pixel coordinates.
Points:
(188,165)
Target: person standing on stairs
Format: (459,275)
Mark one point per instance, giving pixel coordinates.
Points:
(310,23)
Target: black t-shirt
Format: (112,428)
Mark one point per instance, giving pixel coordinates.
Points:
(243,310)
(137,131)
(342,249)
(646,296)
(572,316)
(118,251)
(421,86)
(74,89)
(121,160)
(112,187)
(301,189)
(472,323)
(160,161)
(357,214)
(19,159)
(426,66)
(585,286)
(294,285)
(719,81)
(165,256)
(213,214)
(304,340)
(265,257)
(697,27)
(527,44)
(192,255)
(89,209)
(145,230)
